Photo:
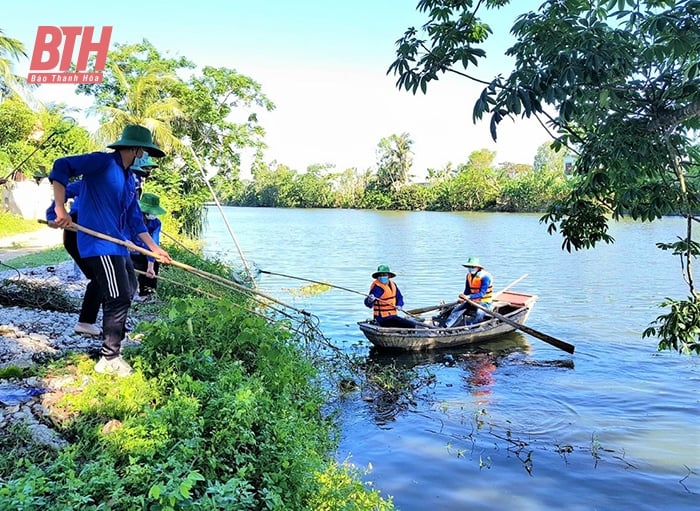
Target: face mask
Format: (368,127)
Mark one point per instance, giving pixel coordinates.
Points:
(151,217)
(473,270)
(384,280)
(140,161)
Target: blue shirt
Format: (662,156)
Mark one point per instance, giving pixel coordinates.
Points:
(71,193)
(153,226)
(378,291)
(108,202)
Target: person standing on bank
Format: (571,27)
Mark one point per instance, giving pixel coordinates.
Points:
(92,299)
(142,168)
(150,207)
(108,205)
(478,289)
(386,299)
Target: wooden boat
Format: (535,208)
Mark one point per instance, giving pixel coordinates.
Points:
(514,306)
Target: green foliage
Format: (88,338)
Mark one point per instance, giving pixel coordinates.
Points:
(679,329)
(11,224)
(177,282)
(413,197)
(341,490)
(282,187)
(615,82)
(395,158)
(532,190)
(30,141)
(143,86)
(223,412)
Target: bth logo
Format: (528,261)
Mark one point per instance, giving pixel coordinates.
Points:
(53,53)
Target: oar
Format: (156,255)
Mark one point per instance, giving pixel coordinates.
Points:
(569,348)
(452,304)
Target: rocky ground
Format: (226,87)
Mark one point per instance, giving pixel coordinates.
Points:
(30,336)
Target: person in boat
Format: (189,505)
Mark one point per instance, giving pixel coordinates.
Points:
(478,289)
(386,299)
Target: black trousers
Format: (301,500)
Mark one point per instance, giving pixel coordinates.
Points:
(146,284)
(395,322)
(93,295)
(115,275)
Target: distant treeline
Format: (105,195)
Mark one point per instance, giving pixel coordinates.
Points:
(472,186)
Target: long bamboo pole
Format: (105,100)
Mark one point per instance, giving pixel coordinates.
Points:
(223,216)
(418,320)
(206,275)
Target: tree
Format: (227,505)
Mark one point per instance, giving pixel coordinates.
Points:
(395,158)
(616,82)
(10,49)
(193,120)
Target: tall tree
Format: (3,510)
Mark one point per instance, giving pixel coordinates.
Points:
(204,122)
(395,159)
(10,50)
(621,78)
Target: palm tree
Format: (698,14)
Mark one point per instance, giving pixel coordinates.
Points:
(143,103)
(395,161)
(10,49)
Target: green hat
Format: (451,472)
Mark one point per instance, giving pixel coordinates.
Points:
(147,163)
(135,135)
(472,262)
(383,268)
(141,172)
(150,204)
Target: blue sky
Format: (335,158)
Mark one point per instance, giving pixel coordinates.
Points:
(323,64)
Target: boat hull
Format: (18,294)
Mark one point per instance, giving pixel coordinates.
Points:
(416,339)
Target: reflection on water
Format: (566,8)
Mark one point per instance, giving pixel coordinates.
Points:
(513,424)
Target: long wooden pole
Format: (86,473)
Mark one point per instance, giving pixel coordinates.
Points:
(418,320)
(452,304)
(206,275)
(223,217)
(557,343)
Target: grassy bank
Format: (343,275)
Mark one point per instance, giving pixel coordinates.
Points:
(47,257)
(13,224)
(224,411)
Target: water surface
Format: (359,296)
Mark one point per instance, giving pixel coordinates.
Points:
(516,424)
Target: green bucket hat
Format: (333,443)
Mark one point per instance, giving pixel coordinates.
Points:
(148,163)
(383,268)
(472,262)
(150,204)
(135,135)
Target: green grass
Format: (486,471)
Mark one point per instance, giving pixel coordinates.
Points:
(47,257)
(13,224)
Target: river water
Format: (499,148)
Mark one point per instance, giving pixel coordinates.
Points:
(515,424)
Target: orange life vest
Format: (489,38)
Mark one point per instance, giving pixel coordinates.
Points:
(386,304)
(474,285)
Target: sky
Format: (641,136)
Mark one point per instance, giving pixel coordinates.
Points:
(322,63)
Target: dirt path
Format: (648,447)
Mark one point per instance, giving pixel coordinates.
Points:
(29,242)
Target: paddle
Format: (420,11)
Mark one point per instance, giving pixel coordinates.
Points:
(569,348)
(452,304)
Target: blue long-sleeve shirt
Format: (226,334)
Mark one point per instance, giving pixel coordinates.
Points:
(486,281)
(154,227)
(108,202)
(72,191)
(378,291)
